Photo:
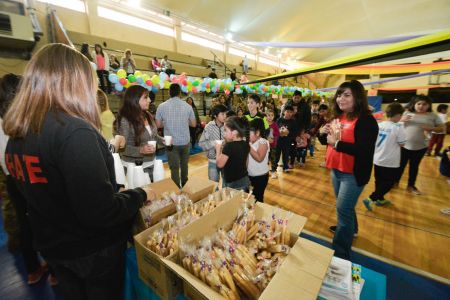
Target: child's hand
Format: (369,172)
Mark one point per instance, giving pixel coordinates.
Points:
(406,118)
(218,147)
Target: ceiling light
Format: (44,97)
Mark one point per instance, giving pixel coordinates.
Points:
(135,3)
(229,36)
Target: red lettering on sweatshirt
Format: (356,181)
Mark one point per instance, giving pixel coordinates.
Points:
(18,168)
(34,170)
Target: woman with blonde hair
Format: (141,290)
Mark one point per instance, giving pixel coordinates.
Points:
(106,115)
(128,63)
(62,166)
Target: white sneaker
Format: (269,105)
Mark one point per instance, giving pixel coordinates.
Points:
(274,175)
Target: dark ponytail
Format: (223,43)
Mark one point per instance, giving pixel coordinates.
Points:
(240,125)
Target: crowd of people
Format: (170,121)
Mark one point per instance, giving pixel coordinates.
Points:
(104,64)
(57,138)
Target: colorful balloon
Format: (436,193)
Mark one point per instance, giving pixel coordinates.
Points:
(121,73)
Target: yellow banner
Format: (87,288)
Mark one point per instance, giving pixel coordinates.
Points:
(386,53)
(392,69)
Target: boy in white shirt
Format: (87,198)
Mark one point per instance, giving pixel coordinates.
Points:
(391,138)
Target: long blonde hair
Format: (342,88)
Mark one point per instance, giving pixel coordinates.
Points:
(59,79)
(102,101)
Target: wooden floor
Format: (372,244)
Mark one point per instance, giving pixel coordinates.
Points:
(412,231)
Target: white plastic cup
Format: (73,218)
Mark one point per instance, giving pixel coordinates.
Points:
(152,143)
(168,140)
(219,142)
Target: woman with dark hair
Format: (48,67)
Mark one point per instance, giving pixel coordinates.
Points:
(101,59)
(137,125)
(62,166)
(419,122)
(85,51)
(351,138)
(194,130)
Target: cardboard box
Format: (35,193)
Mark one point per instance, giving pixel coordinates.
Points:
(299,277)
(196,188)
(151,269)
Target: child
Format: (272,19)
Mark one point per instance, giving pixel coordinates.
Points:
(214,131)
(258,160)
(288,128)
(391,137)
(301,141)
(274,133)
(312,140)
(253,102)
(437,138)
(234,156)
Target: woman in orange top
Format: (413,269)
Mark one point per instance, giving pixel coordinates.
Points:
(351,138)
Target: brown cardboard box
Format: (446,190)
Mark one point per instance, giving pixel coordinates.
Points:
(152,271)
(196,188)
(299,277)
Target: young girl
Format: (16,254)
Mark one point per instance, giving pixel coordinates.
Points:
(233,158)
(101,59)
(301,144)
(274,133)
(258,160)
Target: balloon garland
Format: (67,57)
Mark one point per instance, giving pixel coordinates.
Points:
(195,85)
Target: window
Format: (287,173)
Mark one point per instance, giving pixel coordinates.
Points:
(134,21)
(269,62)
(200,41)
(287,67)
(77,5)
(241,53)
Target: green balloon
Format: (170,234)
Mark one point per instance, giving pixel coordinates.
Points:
(131,78)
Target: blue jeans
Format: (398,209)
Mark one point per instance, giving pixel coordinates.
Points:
(347,192)
(214,173)
(240,184)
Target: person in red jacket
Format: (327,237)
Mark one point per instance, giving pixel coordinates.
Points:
(351,138)
(61,165)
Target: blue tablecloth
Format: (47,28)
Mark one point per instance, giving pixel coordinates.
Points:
(374,286)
